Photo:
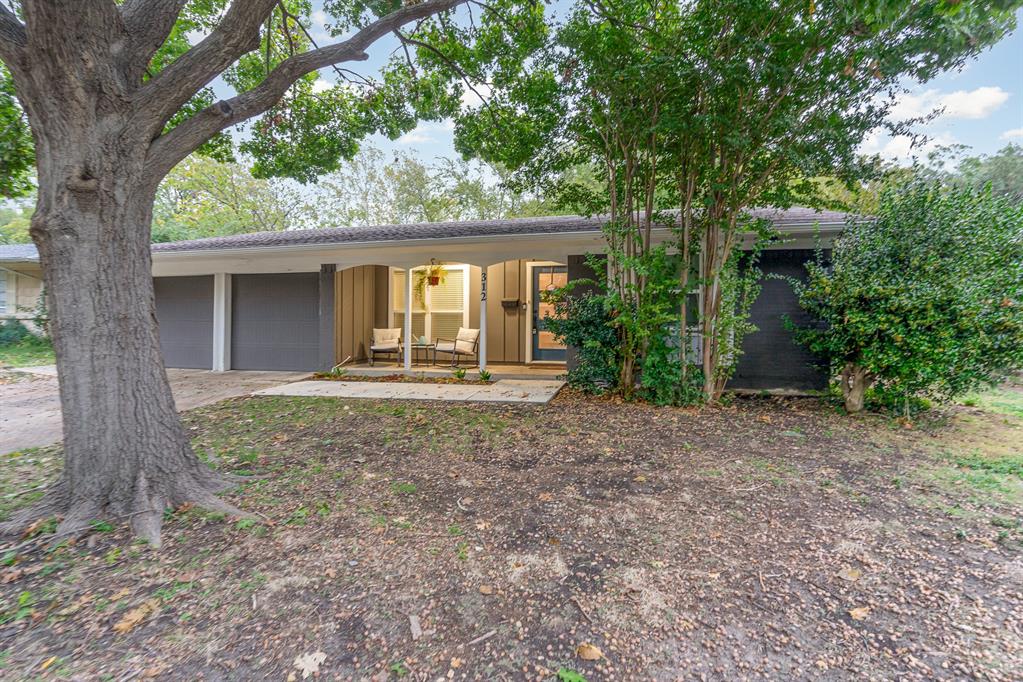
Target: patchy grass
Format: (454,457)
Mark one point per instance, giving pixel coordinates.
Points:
(726,543)
(1004,399)
(28,352)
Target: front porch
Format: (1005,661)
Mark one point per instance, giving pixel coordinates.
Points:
(498,305)
(498,370)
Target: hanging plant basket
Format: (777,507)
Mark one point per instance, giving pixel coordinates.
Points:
(432,275)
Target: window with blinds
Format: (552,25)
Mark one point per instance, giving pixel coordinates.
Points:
(3,292)
(441,313)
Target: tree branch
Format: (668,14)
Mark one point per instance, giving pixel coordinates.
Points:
(148,23)
(12,37)
(238,33)
(168,149)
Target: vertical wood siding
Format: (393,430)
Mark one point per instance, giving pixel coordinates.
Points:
(361,300)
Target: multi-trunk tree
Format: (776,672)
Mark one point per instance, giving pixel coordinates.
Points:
(116,95)
(712,108)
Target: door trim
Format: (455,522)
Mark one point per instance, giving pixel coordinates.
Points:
(528,327)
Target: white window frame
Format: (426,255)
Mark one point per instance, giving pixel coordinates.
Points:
(466,271)
(7,280)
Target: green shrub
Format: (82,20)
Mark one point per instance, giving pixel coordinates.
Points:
(926,301)
(585,323)
(13,331)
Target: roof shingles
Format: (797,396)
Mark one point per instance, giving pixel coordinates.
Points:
(417,231)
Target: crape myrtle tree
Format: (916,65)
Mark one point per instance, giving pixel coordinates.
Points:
(116,95)
(16,154)
(713,107)
(925,301)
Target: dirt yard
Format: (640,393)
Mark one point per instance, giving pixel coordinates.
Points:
(585,539)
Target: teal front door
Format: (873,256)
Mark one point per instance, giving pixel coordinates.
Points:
(546,348)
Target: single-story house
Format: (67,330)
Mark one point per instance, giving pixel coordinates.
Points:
(310,299)
(21,283)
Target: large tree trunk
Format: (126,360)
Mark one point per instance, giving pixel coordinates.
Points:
(99,115)
(126,453)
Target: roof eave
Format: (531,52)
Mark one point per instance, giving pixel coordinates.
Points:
(792,228)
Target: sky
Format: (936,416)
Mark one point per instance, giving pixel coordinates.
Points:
(982,105)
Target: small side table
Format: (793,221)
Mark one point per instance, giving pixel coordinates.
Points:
(427,347)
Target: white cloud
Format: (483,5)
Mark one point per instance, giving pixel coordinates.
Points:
(425,132)
(414,137)
(471,100)
(319,16)
(1010,134)
(901,148)
(970,104)
(322,85)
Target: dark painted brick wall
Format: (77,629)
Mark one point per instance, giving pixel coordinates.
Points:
(771,358)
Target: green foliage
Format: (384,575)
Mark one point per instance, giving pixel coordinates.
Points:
(203,197)
(928,298)
(585,323)
(1002,171)
(30,351)
(485,375)
(569,675)
(375,190)
(459,373)
(17,154)
(13,331)
(711,107)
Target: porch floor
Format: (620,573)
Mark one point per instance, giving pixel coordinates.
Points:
(497,370)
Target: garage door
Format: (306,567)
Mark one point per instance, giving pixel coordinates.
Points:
(275,321)
(184,310)
(771,357)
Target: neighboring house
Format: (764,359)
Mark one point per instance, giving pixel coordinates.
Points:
(309,299)
(21,283)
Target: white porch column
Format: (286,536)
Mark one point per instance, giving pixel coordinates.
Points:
(483,319)
(221,322)
(408,318)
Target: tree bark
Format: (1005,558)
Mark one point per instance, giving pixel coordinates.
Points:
(101,151)
(126,453)
(855,382)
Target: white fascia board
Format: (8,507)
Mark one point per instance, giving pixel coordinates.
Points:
(476,250)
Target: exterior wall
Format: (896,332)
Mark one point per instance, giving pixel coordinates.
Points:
(771,358)
(506,327)
(22,297)
(361,302)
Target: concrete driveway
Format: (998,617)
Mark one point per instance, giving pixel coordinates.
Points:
(30,405)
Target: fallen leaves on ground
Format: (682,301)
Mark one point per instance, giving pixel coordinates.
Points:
(309,663)
(859,613)
(138,614)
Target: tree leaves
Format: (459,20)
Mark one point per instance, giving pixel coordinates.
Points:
(916,298)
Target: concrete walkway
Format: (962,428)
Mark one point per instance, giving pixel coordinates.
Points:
(503,391)
(30,408)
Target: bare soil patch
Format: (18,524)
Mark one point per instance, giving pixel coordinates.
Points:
(774,538)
